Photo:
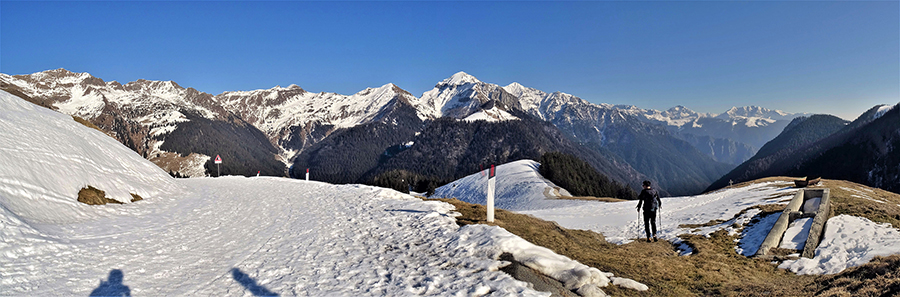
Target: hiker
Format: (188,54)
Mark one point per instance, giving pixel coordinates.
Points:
(649,199)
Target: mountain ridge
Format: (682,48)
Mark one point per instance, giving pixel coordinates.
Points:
(294,120)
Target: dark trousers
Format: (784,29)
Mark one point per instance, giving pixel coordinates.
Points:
(650,220)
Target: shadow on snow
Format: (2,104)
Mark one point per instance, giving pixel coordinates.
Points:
(250,284)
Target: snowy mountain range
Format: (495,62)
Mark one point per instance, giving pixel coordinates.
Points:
(181,129)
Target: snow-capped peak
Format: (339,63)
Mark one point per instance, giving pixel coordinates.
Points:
(460,78)
(514,88)
(882,109)
(754,111)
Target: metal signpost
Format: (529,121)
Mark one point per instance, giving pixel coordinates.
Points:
(218,161)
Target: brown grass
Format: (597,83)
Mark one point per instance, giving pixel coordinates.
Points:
(136,197)
(87,124)
(843,202)
(881,277)
(93,196)
(714,269)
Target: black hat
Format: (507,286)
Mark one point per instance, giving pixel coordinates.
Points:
(646,183)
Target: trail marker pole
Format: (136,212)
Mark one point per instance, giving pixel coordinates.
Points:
(218,161)
(307,174)
(490,195)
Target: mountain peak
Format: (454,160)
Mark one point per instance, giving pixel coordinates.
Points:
(515,85)
(460,78)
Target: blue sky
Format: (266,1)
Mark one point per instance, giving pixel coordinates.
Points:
(830,57)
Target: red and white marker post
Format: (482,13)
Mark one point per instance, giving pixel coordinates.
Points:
(490,194)
(307,174)
(218,161)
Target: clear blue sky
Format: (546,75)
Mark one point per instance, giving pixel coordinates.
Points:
(830,57)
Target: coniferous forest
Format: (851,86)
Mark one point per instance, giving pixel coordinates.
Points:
(580,178)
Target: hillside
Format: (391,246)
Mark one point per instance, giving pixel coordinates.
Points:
(453,149)
(772,158)
(869,155)
(861,151)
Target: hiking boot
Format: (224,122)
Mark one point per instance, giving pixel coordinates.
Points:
(655,239)
(649,240)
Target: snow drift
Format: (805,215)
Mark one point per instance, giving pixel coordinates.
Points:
(519,187)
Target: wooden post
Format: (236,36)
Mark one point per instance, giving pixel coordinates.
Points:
(490,195)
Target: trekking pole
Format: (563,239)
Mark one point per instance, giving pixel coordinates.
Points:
(639,224)
(659,219)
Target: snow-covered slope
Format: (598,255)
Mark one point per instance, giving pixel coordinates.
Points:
(47,158)
(231,235)
(519,187)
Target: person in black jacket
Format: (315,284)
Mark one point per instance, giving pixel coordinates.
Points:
(649,199)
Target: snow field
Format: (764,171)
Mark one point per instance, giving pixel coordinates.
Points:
(849,241)
(232,235)
(620,223)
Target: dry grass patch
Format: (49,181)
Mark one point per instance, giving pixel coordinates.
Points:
(881,277)
(849,202)
(714,269)
(93,196)
(84,122)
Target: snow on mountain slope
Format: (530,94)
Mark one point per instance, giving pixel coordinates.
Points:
(882,110)
(84,95)
(679,116)
(47,158)
(519,187)
(491,115)
(278,111)
(462,95)
(230,235)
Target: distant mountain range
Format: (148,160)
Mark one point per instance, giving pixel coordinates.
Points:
(461,124)
(863,151)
